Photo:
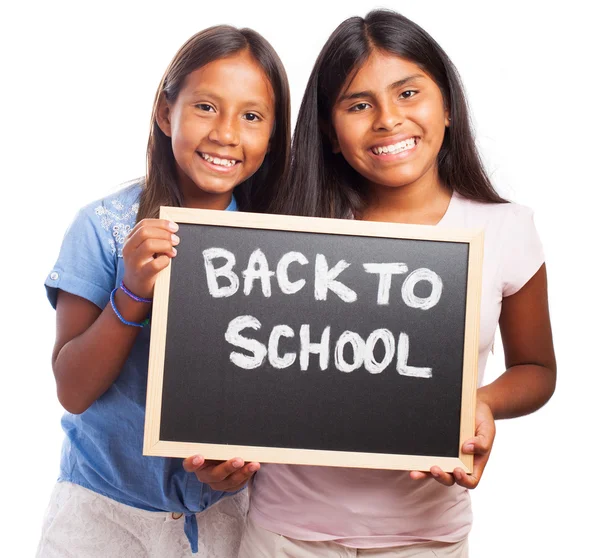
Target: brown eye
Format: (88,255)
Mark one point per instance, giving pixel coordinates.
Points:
(251,117)
(360,107)
(205,107)
(408,94)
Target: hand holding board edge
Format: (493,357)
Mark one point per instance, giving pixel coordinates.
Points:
(315,341)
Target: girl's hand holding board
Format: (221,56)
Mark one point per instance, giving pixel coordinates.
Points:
(480,446)
(148,250)
(228,476)
(232,475)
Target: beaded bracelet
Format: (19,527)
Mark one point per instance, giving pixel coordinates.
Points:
(134,296)
(118,314)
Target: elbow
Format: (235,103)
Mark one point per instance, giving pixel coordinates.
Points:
(69,394)
(73,407)
(552,381)
(549,383)
(75,410)
(71,399)
(71,403)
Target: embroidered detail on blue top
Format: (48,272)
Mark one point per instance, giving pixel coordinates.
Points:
(117,220)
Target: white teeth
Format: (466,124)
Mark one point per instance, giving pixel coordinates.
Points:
(395,148)
(217,161)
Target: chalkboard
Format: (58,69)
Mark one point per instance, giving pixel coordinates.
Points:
(315,341)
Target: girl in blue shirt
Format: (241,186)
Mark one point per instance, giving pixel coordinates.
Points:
(212,145)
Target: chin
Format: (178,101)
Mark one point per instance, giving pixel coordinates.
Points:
(392,182)
(216,188)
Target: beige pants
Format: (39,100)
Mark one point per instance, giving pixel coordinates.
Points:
(82,524)
(260,543)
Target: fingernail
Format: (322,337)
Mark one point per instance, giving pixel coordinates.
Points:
(253,468)
(173,226)
(174,239)
(436,474)
(237,463)
(197,460)
(174,250)
(469,447)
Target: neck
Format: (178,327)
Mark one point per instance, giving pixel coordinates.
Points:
(420,203)
(196,198)
(204,200)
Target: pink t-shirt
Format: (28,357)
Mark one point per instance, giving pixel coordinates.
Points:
(365,508)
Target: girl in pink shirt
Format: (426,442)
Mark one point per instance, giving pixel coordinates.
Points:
(383,134)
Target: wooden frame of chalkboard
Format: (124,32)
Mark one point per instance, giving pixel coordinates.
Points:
(222,410)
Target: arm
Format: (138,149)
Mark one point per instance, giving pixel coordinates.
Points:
(530,376)
(91,344)
(91,347)
(527,384)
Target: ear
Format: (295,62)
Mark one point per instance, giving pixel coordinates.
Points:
(163,115)
(447,118)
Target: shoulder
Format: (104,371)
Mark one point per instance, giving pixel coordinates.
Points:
(87,261)
(114,215)
(490,216)
(512,243)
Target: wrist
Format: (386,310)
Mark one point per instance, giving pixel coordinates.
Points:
(135,291)
(133,296)
(130,309)
(485,398)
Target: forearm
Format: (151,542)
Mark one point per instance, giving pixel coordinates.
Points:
(86,366)
(521,390)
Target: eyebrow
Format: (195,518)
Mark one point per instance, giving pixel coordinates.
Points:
(369,94)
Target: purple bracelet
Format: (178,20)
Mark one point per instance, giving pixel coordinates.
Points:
(118,314)
(134,296)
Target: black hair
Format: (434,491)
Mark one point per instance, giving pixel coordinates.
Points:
(322,183)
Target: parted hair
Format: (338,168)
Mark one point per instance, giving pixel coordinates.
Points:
(160,185)
(322,183)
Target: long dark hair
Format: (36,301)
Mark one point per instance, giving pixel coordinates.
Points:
(322,183)
(254,194)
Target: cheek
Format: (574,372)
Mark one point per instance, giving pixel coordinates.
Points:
(344,138)
(352,132)
(432,119)
(348,138)
(256,144)
(185,140)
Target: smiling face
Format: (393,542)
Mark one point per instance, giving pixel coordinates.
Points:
(389,122)
(220,125)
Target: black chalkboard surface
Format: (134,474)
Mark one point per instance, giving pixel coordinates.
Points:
(315,341)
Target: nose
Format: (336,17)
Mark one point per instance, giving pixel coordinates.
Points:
(225,130)
(388,116)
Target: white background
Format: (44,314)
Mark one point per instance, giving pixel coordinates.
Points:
(78,82)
